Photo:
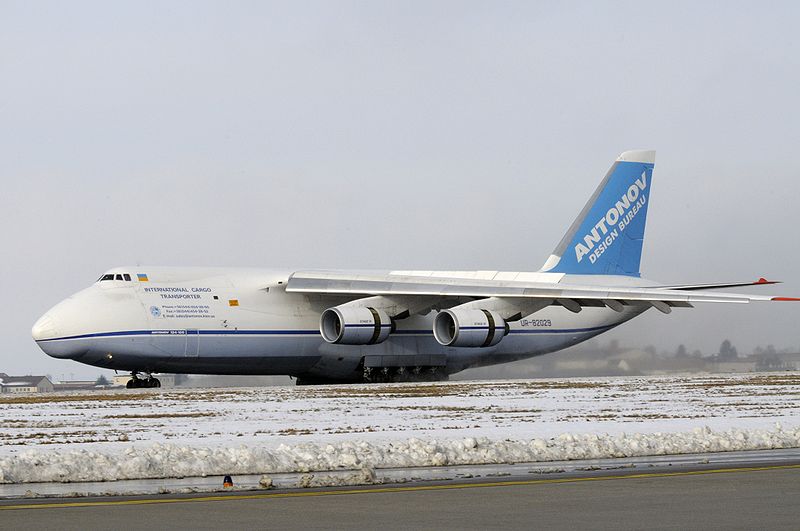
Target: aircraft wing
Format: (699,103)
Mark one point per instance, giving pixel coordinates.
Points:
(696,287)
(571,296)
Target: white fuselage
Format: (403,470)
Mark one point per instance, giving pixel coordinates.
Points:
(243,321)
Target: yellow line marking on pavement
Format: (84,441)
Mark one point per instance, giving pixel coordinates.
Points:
(380,490)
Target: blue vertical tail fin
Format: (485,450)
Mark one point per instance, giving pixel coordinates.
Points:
(606,238)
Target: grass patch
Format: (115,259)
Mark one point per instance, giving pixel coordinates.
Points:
(45,398)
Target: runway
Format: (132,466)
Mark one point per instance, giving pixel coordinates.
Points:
(742,495)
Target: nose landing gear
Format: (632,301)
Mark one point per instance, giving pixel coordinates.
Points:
(137,382)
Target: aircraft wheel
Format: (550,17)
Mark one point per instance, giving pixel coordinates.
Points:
(130,384)
(155,382)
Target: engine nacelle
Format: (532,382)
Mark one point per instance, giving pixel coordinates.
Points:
(354,325)
(469,328)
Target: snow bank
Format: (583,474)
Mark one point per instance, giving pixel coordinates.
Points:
(174,461)
(152,434)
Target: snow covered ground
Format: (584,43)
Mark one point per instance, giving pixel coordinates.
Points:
(135,434)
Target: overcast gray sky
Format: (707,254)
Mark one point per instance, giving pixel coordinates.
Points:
(430,135)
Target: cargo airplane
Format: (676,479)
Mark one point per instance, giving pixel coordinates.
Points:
(367,326)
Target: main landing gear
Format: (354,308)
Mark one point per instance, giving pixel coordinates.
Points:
(147,382)
(404,374)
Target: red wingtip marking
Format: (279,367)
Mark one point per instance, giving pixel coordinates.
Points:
(785,299)
(762,280)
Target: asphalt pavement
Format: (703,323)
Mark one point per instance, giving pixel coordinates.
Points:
(758,495)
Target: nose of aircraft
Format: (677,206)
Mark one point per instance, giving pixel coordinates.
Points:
(47,334)
(44,328)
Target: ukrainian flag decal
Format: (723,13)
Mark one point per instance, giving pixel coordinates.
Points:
(142,277)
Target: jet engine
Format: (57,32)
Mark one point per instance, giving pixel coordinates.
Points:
(355,325)
(469,328)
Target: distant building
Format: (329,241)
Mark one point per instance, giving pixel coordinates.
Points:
(791,359)
(75,385)
(25,384)
(717,364)
(786,361)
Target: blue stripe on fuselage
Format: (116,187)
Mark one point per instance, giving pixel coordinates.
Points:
(167,333)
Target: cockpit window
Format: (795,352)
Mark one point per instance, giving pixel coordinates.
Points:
(115,276)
